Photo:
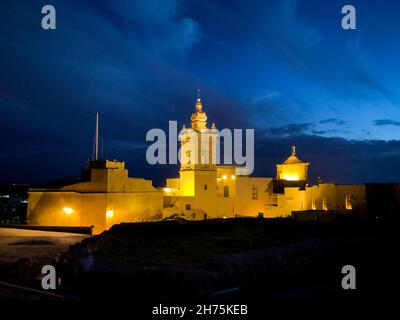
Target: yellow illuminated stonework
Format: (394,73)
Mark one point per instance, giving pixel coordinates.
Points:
(293,169)
(105,195)
(68,211)
(313,205)
(109,214)
(290,177)
(217,191)
(205,189)
(104,190)
(325,204)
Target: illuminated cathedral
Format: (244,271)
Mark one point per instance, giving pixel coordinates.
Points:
(208,190)
(106,195)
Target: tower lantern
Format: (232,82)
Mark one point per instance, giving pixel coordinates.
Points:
(292,169)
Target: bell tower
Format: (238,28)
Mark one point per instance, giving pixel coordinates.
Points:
(198,143)
(198,172)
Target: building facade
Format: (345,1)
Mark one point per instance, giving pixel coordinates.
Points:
(105,195)
(205,189)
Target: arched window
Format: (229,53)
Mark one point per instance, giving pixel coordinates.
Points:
(188,156)
(226,191)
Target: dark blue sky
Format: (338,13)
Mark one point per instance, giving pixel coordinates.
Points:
(285,68)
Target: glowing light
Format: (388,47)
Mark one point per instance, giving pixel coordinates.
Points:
(233,177)
(109,214)
(224,217)
(224,177)
(325,204)
(167,190)
(68,211)
(291,177)
(348,204)
(313,205)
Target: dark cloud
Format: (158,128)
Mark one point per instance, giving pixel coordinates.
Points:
(333,121)
(297,129)
(324,132)
(139,63)
(159,26)
(334,159)
(284,33)
(386,122)
(289,129)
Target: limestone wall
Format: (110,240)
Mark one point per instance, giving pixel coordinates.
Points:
(251,196)
(59,208)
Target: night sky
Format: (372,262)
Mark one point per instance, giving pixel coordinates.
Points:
(285,68)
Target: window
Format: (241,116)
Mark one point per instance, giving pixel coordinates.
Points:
(254,192)
(188,156)
(203,158)
(205,187)
(188,207)
(348,204)
(325,204)
(226,191)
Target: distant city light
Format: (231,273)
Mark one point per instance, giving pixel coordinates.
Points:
(68,211)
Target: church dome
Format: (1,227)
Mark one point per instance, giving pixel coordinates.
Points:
(293,169)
